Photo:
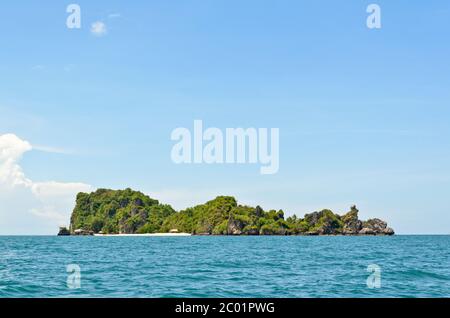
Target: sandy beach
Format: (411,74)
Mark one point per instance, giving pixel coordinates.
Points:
(148,234)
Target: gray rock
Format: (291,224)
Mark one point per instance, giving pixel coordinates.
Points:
(82,232)
(388,231)
(376,227)
(235,227)
(352,224)
(367,231)
(63,231)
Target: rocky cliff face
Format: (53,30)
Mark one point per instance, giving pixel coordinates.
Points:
(327,223)
(117,212)
(128,212)
(375,227)
(351,224)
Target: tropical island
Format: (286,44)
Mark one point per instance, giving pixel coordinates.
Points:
(132,212)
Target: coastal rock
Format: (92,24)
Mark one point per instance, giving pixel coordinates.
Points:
(375,227)
(375,224)
(63,231)
(131,222)
(251,230)
(313,218)
(352,224)
(324,222)
(272,230)
(118,211)
(235,227)
(83,232)
(366,231)
(388,231)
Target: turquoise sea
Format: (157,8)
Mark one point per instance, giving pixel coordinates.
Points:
(410,266)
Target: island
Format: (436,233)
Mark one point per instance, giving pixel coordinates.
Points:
(132,212)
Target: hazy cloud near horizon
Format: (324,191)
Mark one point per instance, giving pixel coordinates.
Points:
(30,207)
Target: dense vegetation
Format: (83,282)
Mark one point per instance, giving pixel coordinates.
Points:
(128,211)
(122,211)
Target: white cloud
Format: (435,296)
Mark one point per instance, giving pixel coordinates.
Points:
(48,149)
(30,207)
(98,28)
(11,150)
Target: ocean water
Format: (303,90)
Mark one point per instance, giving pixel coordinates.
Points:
(269,266)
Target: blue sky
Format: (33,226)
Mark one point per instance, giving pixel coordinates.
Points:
(363,114)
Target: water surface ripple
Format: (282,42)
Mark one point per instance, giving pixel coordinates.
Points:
(270,266)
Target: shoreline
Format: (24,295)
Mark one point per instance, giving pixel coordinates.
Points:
(145,234)
(223,235)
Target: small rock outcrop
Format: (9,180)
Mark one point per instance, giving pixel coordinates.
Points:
(235,227)
(326,222)
(375,227)
(82,232)
(352,224)
(63,231)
